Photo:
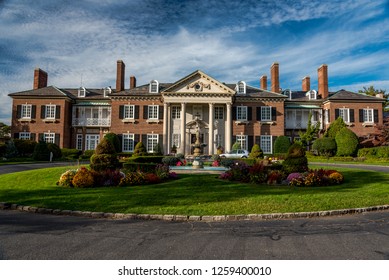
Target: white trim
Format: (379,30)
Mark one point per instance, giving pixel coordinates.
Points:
(241,85)
(154,86)
(130,138)
(263,145)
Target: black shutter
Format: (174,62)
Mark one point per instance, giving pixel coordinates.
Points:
(16,135)
(57,138)
(376,116)
(352,119)
(336,114)
(258,140)
(121,112)
(120,136)
(41,137)
(234,113)
(32,137)
(136,112)
(249,113)
(33,112)
(57,112)
(18,111)
(144,140)
(160,139)
(136,139)
(160,112)
(258,113)
(250,143)
(329,118)
(273,113)
(145,112)
(361,115)
(43,111)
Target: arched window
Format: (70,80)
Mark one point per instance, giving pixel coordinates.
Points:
(241,87)
(154,86)
(312,94)
(81,92)
(107,90)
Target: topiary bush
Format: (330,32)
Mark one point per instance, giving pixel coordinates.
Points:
(105,147)
(83,178)
(170,161)
(324,146)
(158,150)
(104,157)
(335,127)
(256,152)
(70,153)
(281,145)
(114,140)
(346,142)
(41,151)
(139,150)
(296,160)
(53,148)
(24,147)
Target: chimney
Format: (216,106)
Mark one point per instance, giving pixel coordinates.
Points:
(263,82)
(306,83)
(275,77)
(132,82)
(40,78)
(322,74)
(120,75)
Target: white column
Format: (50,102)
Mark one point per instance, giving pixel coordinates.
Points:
(165,128)
(228,129)
(169,129)
(183,128)
(210,129)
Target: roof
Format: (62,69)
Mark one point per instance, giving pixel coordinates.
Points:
(50,91)
(348,95)
(256,92)
(142,90)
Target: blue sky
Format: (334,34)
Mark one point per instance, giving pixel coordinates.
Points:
(166,40)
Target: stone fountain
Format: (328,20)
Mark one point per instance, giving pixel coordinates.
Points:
(197,163)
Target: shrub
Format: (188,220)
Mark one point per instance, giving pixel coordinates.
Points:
(258,173)
(3,148)
(24,147)
(152,178)
(139,167)
(171,161)
(105,147)
(41,151)
(158,150)
(139,150)
(377,152)
(335,127)
(336,178)
(227,162)
(146,159)
(53,148)
(180,156)
(240,171)
(220,150)
(83,178)
(324,146)
(133,178)
(114,140)
(281,145)
(248,161)
(10,149)
(236,146)
(275,177)
(66,178)
(295,161)
(347,142)
(107,177)
(256,152)
(162,171)
(296,150)
(104,157)
(70,153)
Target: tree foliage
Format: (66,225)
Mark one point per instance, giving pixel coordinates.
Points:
(236,146)
(324,146)
(114,139)
(311,133)
(373,92)
(256,152)
(139,150)
(335,127)
(5,130)
(346,142)
(281,145)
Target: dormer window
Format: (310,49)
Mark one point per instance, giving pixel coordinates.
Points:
(81,92)
(154,86)
(288,93)
(312,94)
(241,87)
(107,90)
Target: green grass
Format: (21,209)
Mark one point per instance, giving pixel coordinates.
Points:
(195,195)
(383,162)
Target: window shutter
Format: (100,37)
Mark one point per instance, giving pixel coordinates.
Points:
(16,135)
(273,113)
(32,136)
(336,114)
(145,112)
(136,112)
(258,140)
(121,112)
(234,113)
(144,139)
(329,118)
(376,116)
(160,112)
(41,137)
(258,113)
(249,113)
(352,119)
(43,111)
(160,139)
(136,139)
(57,112)
(361,115)
(57,138)
(19,111)
(250,143)
(33,112)
(120,136)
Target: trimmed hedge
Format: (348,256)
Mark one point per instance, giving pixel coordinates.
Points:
(171,161)
(346,142)
(325,146)
(281,145)
(145,159)
(25,147)
(70,153)
(376,152)
(41,152)
(53,148)
(140,167)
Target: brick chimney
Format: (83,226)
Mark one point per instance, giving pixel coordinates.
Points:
(40,78)
(306,84)
(120,75)
(263,82)
(132,82)
(275,77)
(322,74)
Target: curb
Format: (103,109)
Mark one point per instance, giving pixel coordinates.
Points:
(183,218)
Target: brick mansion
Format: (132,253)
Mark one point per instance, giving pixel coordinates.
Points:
(171,114)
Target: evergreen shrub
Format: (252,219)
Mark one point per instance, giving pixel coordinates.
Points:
(324,146)
(41,151)
(281,145)
(346,142)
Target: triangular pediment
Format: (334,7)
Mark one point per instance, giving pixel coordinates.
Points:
(198,83)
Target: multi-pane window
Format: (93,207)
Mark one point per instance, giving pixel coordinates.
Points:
(49,137)
(241,87)
(153,112)
(129,111)
(176,140)
(26,111)
(152,141)
(154,86)
(219,113)
(266,144)
(128,143)
(25,135)
(176,112)
(266,113)
(242,140)
(326,119)
(344,114)
(79,142)
(50,111)
(241,113)
(219,140)
(368,115)
(92,140)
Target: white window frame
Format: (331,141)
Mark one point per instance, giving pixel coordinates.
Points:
(266,113)
(88,141)
(368,115)
(153,112)
(50,111)
(26,111)
(241,113)
(266,144)
(312,94)
(219,140)
(344,112)
(49,137)
(176,112)
(128,142)
(241,87)
(79,141)
(152,140)
(81,92)
(25,135)
(154,86)
(242,140)
(219,113)
(129,112)
(176,140)
(326,119)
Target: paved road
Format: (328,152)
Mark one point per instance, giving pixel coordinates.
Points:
(379,168)
(35,236)
(4,169)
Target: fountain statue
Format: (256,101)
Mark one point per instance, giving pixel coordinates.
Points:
(197,163)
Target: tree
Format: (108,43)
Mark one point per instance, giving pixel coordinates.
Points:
(140,150)
(256,152)
(114,139)
(236,146)
(373,92)
(281,145)
(5,130)
(311,133)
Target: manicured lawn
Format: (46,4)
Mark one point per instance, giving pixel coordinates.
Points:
(195,195)
(382,162)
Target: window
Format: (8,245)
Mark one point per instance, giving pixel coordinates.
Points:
(266,144)
(26,111)
(107,90)
(344,114)
(315,116)
(241,87)
(92,140)
(25,135)
(219,140)
(368,116)
(326,117)
(49,137)
(129,111)
(176,112)
(265,113)
(128,142)
(154,85)
(152,140)
(50,112)
(241,113)
(81,92)
(242,140)
(79,142)
(312,94)
(176,140)
(153,112)
(219,113)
